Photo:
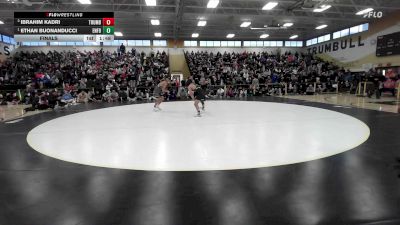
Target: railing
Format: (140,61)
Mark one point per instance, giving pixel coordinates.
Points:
(363,87)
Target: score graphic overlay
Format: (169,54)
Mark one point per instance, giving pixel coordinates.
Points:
(64,26)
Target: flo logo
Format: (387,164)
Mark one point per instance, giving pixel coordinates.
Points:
(373,14)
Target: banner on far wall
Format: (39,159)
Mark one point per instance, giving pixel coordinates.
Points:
(358,52)
(5,50)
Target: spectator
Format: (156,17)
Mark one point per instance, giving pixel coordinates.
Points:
(53,99)
(67,98)
(114,96)
(94,96)
(43,101)
(83,97)
(220,92)
(122,48)
(310,90)
(107,96)
(15,99)
(2,100)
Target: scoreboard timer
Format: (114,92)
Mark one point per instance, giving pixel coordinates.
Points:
(388,45)
(64,26)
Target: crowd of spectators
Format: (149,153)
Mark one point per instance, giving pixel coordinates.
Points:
(265,73)
(55,78)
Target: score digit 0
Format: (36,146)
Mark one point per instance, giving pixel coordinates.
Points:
(108,21)
(108,30)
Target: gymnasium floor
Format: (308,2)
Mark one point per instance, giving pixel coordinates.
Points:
(13,112)
(386,103)
(261,161)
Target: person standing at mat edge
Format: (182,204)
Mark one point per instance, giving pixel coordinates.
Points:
(191,88)
(199,97)
(159,91)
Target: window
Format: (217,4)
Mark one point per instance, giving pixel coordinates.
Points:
(70,43)
(299,44)
(203,44)
(260,43)
(160,43)
(354,30)
(6,39)
(364,27)
(336,35)
(324,38)
(294,43)
(344,32)
(314,41)
(328,37)
(137,43)
(34,43)
(224,43)
(274,43)
(231,44)
(339,34)
(114,43)
(146,43)
(253,43)
(90,43)
(210,44)
(246,44)
(359,28)
(190,43)
(53,43)
(238,44)
(156,43)
(80,43)
(123,42)
(194,43)
(217,44)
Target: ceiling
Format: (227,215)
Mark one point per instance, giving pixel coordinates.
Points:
(179,17)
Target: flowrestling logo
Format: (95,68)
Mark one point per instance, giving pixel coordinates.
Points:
(373,14)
